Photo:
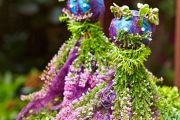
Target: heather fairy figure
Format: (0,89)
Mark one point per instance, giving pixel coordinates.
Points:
(79,66)
(137,95)
(132,94)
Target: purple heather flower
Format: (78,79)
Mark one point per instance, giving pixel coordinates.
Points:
(98,116)
(55,89)
(107,96)
(102,116)
(68,113)
(71,89)
(84,77)
(155,114)
(126,106)
(77,83)
(75,95)
(108,76)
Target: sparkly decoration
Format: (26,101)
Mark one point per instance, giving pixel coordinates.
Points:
(131,25)
(133,22)
(85,9)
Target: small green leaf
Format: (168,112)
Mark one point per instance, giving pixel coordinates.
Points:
(144,11)
(154,19)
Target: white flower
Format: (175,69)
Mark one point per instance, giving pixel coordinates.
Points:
(139,5)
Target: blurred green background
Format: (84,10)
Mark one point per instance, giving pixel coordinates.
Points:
(30,35)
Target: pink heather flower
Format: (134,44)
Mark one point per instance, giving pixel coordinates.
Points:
(84,77)
(102,116)
(51,70)
(67,113)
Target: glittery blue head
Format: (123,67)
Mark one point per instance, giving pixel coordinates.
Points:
(132,25)
(132,22)
(81,8)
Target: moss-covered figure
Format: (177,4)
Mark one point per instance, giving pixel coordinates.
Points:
(92,78)
(79,66)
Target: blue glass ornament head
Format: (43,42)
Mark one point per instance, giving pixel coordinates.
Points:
(86,9)
(133,22)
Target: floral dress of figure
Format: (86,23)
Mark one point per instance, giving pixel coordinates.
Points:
(132,94)
(93,79)
(80,64)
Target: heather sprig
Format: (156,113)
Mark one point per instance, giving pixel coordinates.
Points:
(95,46)
(143,92)
(89,96)
(86,103)
(135,95)
(43,115)
(133,84)
(130,60)
(132,41)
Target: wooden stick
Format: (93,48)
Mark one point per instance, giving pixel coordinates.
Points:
(107,16)
(177,46)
